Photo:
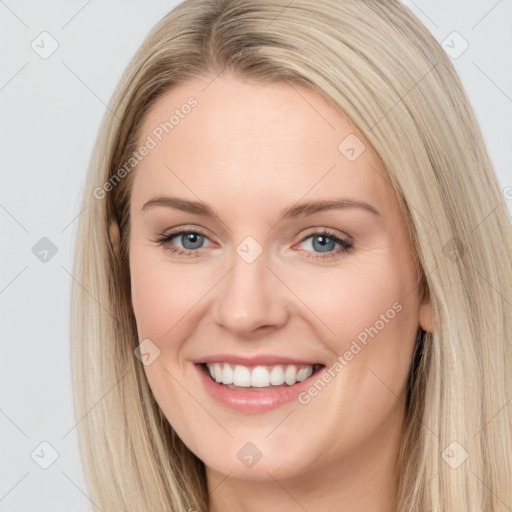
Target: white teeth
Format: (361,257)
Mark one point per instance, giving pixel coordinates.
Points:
(277,376)
(290,374)
(218,372)
(259,376)
(242,376)
(227,374)
(304,373)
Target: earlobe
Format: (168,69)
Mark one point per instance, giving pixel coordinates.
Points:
(114,236)
(426,317)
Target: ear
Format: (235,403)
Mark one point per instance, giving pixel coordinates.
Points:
(115,237)
(426,316)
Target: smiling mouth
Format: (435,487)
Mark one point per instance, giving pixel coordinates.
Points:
(259,378)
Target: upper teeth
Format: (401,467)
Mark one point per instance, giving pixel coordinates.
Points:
(259,376)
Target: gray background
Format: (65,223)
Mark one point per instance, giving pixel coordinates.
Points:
(51,109)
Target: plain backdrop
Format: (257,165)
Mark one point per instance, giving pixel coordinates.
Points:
(51,107)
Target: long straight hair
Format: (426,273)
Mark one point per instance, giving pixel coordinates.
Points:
(377,64)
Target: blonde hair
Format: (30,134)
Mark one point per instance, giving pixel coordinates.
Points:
(377,64)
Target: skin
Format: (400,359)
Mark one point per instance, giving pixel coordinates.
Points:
(249,150)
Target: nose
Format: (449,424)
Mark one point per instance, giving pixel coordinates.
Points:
(251,300)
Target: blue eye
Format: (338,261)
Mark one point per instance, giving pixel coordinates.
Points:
(191,239)
(323,243)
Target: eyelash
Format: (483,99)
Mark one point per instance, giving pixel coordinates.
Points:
(346,244)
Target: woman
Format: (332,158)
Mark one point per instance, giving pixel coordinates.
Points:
(295,273)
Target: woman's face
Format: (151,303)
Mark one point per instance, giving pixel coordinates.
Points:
(282,271)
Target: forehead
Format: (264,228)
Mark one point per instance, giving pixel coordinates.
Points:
(232,140)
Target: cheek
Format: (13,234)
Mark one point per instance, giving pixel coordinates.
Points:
(163,297)
(349,300)
(367,314)
(162,294)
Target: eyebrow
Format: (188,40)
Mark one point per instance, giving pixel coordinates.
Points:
(298,210)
